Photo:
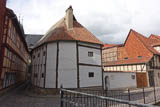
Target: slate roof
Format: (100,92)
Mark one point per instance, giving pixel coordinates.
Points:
(77,33)
(32,39)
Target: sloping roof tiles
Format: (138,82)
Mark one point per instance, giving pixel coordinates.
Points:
(77,33)
(147,43)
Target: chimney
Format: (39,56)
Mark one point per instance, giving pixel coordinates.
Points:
(69,18)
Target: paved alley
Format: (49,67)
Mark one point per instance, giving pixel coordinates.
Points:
(19,98)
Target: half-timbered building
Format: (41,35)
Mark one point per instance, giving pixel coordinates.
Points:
(67,55)
(14,53)
(137,60)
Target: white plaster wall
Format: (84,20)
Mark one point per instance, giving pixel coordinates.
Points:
(85,80)
(51,65)
(84,58)
(67,70)
(89,44)
(120,79)
(42,66)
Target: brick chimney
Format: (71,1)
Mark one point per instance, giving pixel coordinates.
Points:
(69,18)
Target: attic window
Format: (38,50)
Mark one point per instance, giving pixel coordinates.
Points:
(139,56)
(126,58)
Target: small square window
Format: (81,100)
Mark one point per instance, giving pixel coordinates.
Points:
(133,77)
(90,54)
(91,74)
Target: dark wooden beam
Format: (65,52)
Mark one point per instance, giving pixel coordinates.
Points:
(57,62)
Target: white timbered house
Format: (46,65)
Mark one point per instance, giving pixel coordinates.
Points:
(67,55)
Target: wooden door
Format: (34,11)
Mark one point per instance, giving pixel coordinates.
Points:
(141,80)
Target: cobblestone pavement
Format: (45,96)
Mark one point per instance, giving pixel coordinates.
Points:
(19,98)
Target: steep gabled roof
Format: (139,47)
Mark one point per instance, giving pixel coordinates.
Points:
(59,31)
(154,39)
(146,42)
(137,49)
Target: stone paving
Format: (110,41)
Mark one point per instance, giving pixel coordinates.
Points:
(19,98)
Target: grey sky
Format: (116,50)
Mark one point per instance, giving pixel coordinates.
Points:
(109,20)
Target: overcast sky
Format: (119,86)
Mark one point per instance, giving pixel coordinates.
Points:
(109,20)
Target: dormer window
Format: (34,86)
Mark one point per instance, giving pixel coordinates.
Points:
(126,58)
(139,56)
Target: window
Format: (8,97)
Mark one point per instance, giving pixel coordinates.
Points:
(42,75)
(44,53)
(126,58)
(33,56)
(133,77)
(90,54)
(91,74)
(19,44)
(35,75)
(11,31)
(158,75)
(39,55)
(139,56)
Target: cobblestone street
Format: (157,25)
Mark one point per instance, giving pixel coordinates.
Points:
(19,98)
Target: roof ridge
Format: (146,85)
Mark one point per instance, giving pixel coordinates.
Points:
(156,36)
(144,43)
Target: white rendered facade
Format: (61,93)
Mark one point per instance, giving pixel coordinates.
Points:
(117,80)
(67,64)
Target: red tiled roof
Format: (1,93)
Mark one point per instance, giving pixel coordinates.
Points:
(136,45)
(77,33)
(129,61)
(147,43)
(154,39)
